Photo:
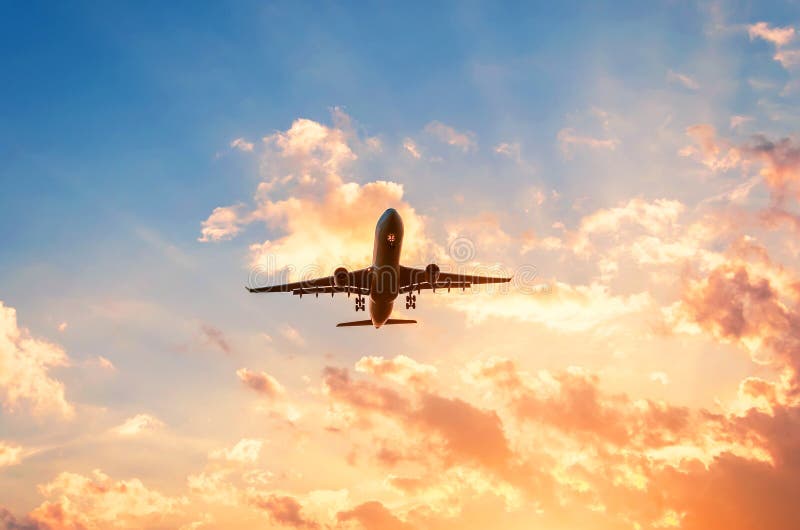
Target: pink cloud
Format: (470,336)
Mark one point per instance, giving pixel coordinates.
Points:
(261,382)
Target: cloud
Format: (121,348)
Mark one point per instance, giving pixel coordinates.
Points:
(776,35)
(779,37)
(557,306)
(292,335)
(95,502)
(737,302)
(213,487)
(242,145)
(682,79)
(63,327)
(244,452)
(788,58)
(283,510)
(223,223)
(25,362)
(373,515)
(139,424)
(105,364)
(659,377)
(568,138)
(261,382)
(738,121)
(411,148)
(9,522)
(463,140)
(779,161)
(9,454)
(453,428)
(215,337)
(320,218)
(402,370)
(511,150)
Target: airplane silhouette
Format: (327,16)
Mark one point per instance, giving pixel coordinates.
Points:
(384,280)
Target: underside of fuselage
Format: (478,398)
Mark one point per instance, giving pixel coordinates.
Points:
(384,273)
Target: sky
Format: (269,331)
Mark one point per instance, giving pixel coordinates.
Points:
(634,165)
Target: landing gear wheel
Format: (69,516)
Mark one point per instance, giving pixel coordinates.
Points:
(361,304)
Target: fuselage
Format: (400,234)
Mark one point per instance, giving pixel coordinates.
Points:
(384,273)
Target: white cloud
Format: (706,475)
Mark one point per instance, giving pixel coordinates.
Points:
(223,223)
(242,145)
(141,423)
(244,452)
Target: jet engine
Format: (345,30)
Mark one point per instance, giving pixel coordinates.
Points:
(432,273)
(340,277)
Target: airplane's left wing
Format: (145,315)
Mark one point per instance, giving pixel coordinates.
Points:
(356,282)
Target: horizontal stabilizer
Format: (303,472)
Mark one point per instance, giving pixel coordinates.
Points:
(354,323)
(369,322)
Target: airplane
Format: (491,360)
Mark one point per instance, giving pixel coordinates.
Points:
(384,280)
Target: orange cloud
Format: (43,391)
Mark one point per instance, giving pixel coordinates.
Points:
(245,451)
(24,365)
(402,370)
(318,224)
(97,502)
(284,510)
(141,423)
(261,382)
(374,515)
(10,454)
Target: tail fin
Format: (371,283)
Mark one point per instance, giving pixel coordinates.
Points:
(369,322)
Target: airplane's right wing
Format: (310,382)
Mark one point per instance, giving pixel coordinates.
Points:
(412,279)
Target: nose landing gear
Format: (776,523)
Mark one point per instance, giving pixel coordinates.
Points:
(411,301)
(361,303)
